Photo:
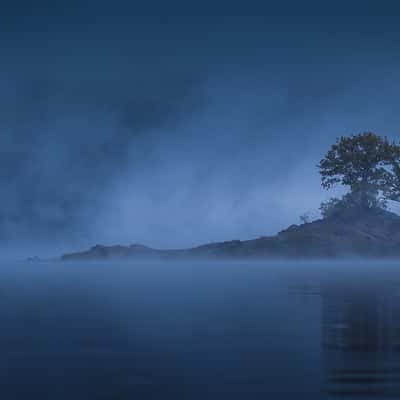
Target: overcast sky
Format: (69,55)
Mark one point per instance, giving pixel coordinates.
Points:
(171,125)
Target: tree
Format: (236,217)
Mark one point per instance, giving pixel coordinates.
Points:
(331,207)
(305,218)
(392,187)
(368,164)
(335,206)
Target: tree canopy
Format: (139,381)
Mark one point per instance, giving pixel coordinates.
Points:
(366,163)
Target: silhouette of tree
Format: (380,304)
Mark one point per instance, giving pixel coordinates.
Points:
(368,164)
(305,218)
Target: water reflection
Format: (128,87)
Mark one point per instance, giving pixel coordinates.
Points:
(199,331)
(360,337)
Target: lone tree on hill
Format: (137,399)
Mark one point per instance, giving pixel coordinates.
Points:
(368,164)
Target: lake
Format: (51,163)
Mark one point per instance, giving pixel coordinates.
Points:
(200,330)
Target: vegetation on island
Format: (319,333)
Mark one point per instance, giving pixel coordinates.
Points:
(369,165)
(355,225)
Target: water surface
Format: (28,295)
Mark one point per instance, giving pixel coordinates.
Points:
(199,330)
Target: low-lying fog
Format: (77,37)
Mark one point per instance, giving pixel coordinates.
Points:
(190,330)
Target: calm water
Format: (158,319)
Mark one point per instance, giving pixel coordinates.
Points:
(200,330)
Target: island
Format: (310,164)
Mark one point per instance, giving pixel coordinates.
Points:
(356,225)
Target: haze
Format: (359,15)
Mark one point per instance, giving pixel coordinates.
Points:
(171,125)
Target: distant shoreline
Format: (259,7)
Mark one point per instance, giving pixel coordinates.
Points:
(355,233)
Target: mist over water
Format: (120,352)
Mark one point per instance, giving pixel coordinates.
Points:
(189,330)
(174,125)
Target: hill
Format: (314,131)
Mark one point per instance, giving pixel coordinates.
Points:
(352,232)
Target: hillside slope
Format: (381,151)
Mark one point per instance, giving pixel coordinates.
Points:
(360,233)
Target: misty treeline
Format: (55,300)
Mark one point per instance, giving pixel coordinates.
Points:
(368,165)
